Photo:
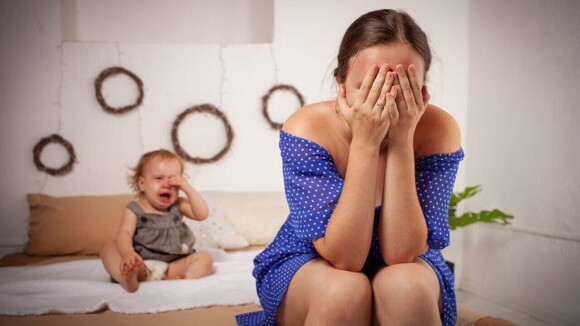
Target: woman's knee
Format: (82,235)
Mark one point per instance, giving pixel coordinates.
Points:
(409,285)
(346,292)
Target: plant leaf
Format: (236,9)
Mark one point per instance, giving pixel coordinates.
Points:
(467,193)
(495,216)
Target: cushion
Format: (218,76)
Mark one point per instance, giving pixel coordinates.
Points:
(217,230)
(73,225)
(257,215)
(80,225)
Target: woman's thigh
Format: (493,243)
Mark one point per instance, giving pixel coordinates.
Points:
(318,290)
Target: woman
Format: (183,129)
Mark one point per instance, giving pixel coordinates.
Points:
(368,179)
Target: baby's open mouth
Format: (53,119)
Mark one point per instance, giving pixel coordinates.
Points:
(165,197)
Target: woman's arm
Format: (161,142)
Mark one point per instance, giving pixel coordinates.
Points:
(402,228)
(348,233)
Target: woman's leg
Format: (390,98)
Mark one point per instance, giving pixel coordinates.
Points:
(111,258)
(320,294)
(406,294)
(196,265)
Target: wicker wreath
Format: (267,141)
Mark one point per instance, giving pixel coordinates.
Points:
(266,98)
(204,108)
(111,72)
(38,148)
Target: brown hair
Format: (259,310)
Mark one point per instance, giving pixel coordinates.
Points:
(381,27)
(162,154)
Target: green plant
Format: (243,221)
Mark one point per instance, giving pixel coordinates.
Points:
(495,216)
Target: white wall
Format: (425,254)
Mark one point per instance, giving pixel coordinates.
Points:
(49,89)
(168,21)
(29,103)
(523,149)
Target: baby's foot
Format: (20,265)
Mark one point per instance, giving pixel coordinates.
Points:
(130,278)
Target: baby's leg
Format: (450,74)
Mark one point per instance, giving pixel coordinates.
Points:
(196,265)
(111,258)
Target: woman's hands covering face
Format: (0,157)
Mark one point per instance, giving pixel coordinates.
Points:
(368,117)
(408,105)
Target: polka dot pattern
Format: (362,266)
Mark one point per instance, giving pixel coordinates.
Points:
(313,187)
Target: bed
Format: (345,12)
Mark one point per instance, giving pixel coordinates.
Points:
(59,279)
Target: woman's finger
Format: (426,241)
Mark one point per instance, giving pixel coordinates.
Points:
(366,85)
(386,108)
(342,107)
(375,92)
(398,95)
(379,106)
(387,84)
(407,92)
(392,104)
(415,87)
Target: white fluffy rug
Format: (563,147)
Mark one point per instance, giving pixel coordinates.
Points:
(84,286)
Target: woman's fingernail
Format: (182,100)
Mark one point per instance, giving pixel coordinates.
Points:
(389,75)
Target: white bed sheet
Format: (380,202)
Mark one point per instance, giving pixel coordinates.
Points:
(84,286)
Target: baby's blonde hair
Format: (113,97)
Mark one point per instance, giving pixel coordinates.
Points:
(162,154)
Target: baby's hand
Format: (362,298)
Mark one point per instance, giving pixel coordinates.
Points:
(179,182)
(130,262)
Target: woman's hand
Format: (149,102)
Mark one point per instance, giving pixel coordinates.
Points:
(406,105)
(368,117)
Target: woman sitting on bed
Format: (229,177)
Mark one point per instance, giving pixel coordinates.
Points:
(152,228)
(368,179)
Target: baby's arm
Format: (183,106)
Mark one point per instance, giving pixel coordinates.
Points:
(193,206)
(130,259)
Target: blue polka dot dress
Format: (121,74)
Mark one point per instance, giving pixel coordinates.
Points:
(313,187)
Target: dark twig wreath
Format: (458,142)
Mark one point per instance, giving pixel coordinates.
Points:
(111,72)
(266,98)
(38,148)
(204,108)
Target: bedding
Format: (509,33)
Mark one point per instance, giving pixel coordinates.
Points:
(60,276)
(83,286)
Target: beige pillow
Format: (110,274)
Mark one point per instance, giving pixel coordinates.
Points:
(73,225)
(257,215)
(217,230)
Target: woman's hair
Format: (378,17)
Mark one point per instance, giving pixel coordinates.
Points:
(162,154)
(381,27)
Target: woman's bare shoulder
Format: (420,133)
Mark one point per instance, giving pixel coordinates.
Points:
(437,132)
(310,121)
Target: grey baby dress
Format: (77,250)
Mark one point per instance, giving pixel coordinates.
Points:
(161,237)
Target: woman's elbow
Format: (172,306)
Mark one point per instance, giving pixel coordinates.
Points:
(392,257)
(337,256)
